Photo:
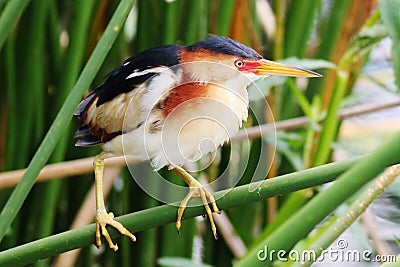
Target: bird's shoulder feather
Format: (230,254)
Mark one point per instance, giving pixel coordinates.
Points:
(136,70)
(102,112)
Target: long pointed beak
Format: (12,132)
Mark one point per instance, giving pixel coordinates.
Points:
(267,67)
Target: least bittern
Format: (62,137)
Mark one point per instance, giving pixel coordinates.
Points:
(163,102)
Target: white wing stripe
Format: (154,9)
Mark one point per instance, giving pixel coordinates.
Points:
(155,70)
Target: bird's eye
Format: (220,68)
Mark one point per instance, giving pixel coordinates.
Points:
(239,63)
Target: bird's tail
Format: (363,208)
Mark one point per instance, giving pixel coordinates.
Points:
(85,138)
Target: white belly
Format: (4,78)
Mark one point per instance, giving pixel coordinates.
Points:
(192,130)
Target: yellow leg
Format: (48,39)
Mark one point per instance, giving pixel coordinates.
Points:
(196,190)
(102,217)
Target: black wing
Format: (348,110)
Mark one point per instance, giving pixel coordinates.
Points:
(125,78)
(117,82)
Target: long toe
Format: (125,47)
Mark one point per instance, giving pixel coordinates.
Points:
(102,220)
(207,200)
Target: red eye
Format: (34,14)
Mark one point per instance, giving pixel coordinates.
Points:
(239,63)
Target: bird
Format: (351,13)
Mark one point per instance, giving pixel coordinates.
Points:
(163,103)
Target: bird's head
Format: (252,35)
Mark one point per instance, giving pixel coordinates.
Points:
(218,58)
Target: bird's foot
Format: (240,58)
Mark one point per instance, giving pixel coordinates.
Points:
(197,190)
(102,220)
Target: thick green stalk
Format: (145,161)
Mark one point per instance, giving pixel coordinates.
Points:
(63,118)
(280,9)
(353,212)
(30,82)
(12,135)
(149,238)
(294,202)
(299,25)
(224,20)
(171,22)
(9,18)
(194,17)
(36,78)
(285,237)
(55,49)
(147,34)
(12,107)
(146,219)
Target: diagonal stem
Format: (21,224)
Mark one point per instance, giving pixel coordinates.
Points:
(49,142)
(81,237)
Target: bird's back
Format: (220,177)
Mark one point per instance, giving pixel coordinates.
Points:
(101,113)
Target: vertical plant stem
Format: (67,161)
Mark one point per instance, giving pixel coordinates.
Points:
(171,22)
(225,12)
(331,28)
(193,19)
(331,122)
(12,135)
(37,55)
(33,83)
(280,7)
(146,26)
(29,83)
(276,101)
(149,238)
(9,18)
(299,20)
(55,47)
(126,200)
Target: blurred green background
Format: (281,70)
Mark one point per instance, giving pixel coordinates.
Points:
(42,57)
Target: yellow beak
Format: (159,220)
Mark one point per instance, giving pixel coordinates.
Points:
(267,67)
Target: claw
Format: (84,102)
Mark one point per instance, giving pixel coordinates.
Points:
(102,217)
(102,220)
(196,190)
